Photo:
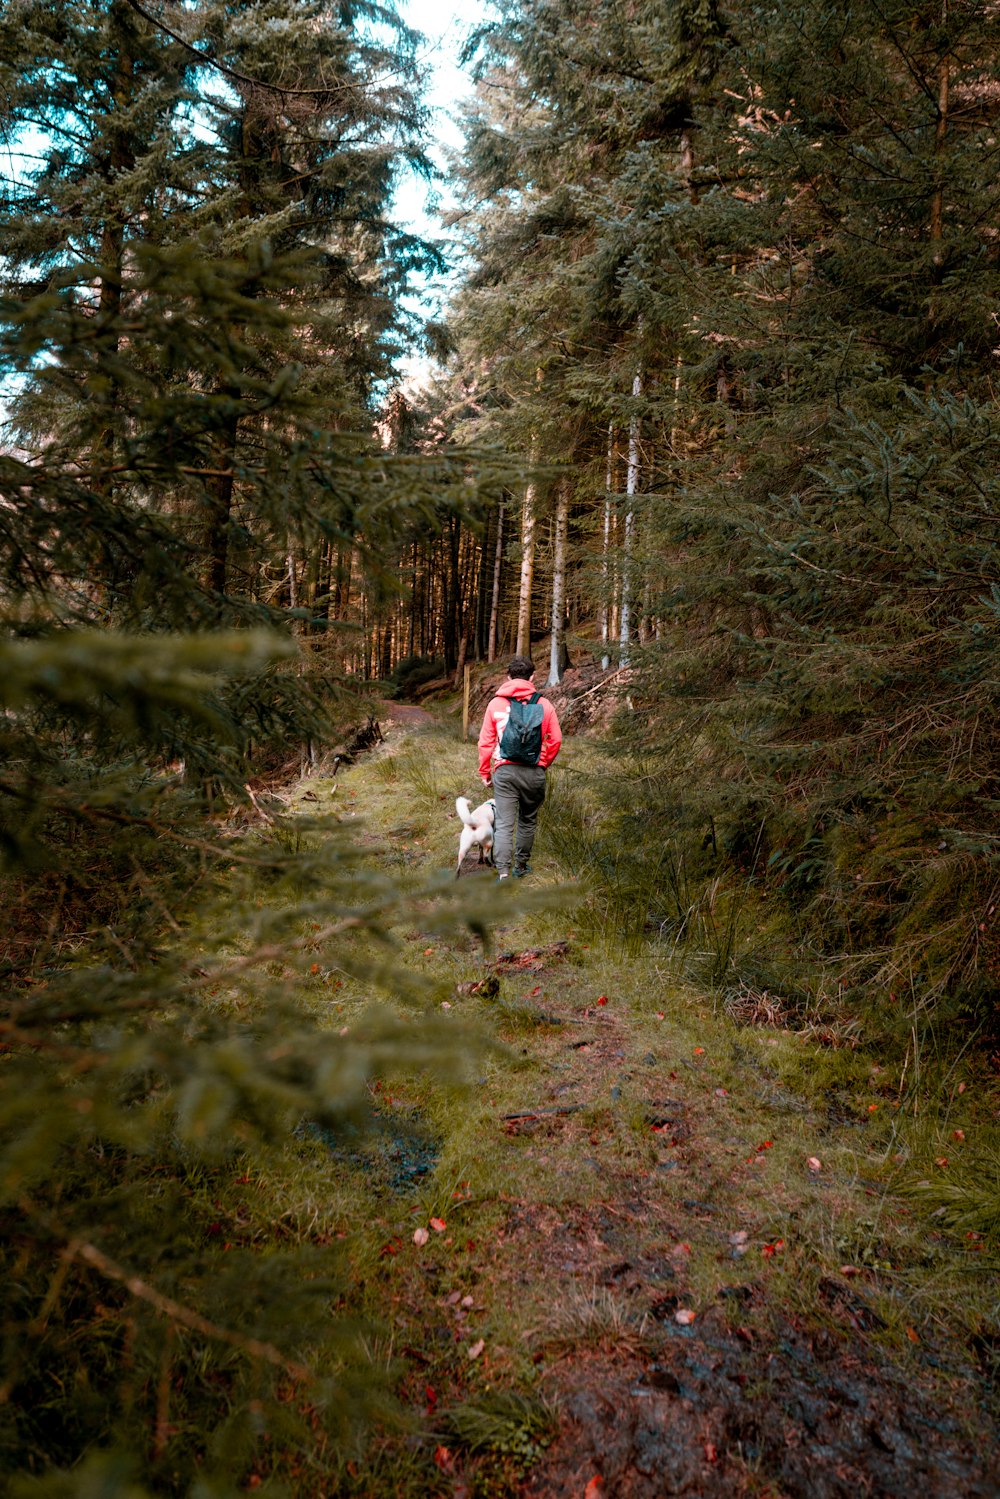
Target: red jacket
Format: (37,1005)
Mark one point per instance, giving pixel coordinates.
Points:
(495,721)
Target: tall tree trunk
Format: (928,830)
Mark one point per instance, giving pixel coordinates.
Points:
(557,643)
(606,554)
(481,585)
(491,643)
(453,608)
(120,159)
(940,132)
(528,521)
(216,539)
(631,490)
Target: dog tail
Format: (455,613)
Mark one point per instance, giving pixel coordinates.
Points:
(464,809)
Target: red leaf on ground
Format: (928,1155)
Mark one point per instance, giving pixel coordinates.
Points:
(444,1460)
(595,1488)
(699,1051)
(438,1225)
(711,1456)
(602,999)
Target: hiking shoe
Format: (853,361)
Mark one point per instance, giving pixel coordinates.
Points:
(502,877)
(521,871)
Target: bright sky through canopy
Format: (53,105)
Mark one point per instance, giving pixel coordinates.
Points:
(445,25)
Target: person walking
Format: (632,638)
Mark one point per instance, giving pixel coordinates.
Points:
(518,741)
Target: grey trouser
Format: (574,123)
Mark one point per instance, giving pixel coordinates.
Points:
(518,791)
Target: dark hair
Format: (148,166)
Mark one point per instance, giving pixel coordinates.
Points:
(522,666)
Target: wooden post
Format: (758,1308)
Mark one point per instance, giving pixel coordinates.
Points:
(465,701)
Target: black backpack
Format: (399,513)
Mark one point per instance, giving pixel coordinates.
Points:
(521,740)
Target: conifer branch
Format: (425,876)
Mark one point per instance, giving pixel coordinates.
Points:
(331,91)
(175,1311)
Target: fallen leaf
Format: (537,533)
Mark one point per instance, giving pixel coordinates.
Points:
(958,1134)
(739,1236)
(814,1163)
(428,951)
(941,1160)
(660,1015)
(438,1225)
(699,1051)
(711,1456)
(420,1237)
(477,1348)
(872,1107)
(602,999)
(468,1301)
(314,968)
(961,1087)
(595,1488)
(444,1460)
(722,1092)
(913,1335)
(684,1315)
(445,1004)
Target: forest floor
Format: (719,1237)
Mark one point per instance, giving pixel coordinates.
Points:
(651,1251)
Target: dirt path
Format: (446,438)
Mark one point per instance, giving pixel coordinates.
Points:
(406,715)
(690,1387)
(645,1225)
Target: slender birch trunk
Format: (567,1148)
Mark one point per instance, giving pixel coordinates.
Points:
(528,519)
(606,605)
(559,584)
(631,490)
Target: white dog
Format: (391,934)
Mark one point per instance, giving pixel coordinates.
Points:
(478,829)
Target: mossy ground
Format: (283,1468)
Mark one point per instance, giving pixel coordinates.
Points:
(692,1248)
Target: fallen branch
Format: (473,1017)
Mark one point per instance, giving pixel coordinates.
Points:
(80,1249)
(604,682)
(568,1108)
(250,793)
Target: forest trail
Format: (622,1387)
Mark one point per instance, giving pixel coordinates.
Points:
(649,1226)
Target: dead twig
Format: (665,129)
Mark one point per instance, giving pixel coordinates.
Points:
(568,1108)
(250,793)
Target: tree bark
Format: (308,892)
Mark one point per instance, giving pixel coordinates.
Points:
(528,520)
(631,490)
(491,643)
(606,554)
(940,132)
(558,638)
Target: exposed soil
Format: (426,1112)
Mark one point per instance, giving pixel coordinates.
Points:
(748,1397)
